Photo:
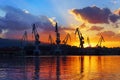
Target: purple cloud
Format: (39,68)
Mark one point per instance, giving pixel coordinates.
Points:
(96,15)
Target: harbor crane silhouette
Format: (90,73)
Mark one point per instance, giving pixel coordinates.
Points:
(57,35)
(50,39)
(101,39)
(88,41)
(66,39)
(81,38)
(57,50)
(24,39)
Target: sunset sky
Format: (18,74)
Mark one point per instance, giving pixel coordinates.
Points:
(93,17)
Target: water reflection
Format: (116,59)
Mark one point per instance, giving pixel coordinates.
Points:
(60,68)
(36,70)
(12,68)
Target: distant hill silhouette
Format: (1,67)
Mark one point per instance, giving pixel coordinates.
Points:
(9,43)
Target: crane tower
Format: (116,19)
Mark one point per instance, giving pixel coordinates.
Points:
(37,42)
(88,40)
(81,38)
(66,38)
(100,41)
(24,39)
(50,39)
(57,35)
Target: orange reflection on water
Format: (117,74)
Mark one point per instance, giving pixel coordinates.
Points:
(79,67)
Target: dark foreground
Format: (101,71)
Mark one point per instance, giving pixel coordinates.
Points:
(48,50)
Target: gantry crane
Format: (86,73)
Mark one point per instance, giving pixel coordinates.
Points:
(88,41)
(50,39)
(101,39)
(36,36)
(81,38)
(66,39)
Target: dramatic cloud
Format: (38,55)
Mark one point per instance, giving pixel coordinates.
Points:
(0,31)
(66,28)
(117,36)
(45,24)
(96,28)
(110,35)
(95,15)
(113,18)
(117,12)
(107,33)
(82,25)
(18,20)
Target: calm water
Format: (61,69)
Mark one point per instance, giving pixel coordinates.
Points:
(60,68)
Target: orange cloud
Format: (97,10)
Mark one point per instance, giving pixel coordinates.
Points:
(77,16)
(96,28)
(110,36)
(117,12)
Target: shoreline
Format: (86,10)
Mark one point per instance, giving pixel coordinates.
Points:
(65,52)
